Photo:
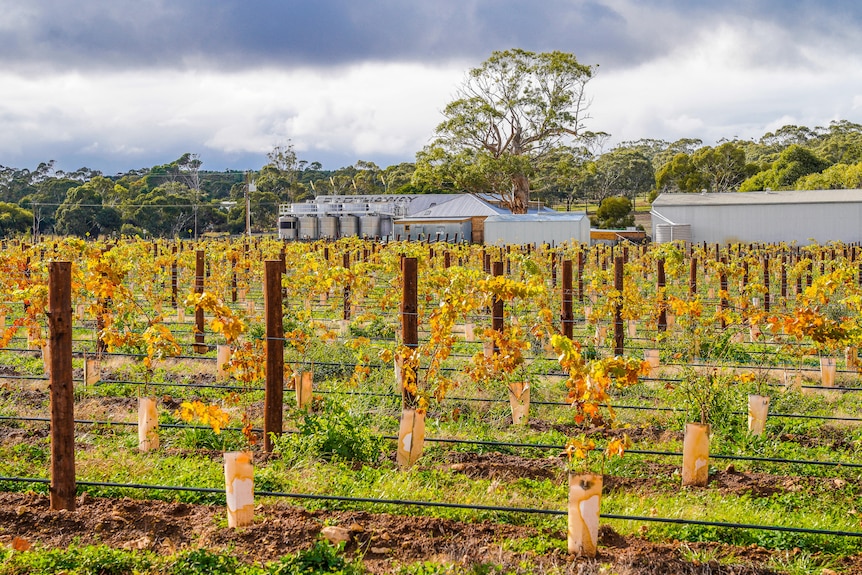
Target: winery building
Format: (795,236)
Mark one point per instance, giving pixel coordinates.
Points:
(800,216)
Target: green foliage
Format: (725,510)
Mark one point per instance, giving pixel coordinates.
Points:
(835,177)
(512,110)
(707,398)
(333,434)
(321,558)
(378,328)
(90,560)
(14,220)
(83,212)
(33,454)
(615,213)
(203,562)
(792,164)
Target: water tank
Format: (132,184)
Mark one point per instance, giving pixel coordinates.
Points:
(328,227)
(665,233)
(348,225)
(386,226)
(287,227)
(369,226)
(307,228)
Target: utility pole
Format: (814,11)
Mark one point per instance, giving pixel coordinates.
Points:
(35,224)
(249,187)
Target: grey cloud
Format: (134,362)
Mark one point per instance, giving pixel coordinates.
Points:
(111,34)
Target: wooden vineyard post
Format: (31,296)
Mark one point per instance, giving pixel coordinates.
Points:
(722,288)
(619,336)
(199,311)
(274,392)
(283,259)
(62,488)
(174,276)
(567,318)
(233,288)
(411,431)
(497,306)
(553,270)
(692,278)
(345,317)
(581,258)
(662,310)
(410,306)
(766,299)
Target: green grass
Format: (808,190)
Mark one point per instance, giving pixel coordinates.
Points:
(103,560)
(340,453)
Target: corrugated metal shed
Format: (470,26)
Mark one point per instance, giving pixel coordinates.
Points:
(801,216)
(460,218)
(421,202)
(537,228)
(456,206)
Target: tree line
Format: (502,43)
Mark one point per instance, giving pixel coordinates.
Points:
(515,130)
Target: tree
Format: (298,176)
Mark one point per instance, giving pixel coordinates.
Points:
(835,177)
(680,175)
(165,211)
(719,169)
(621,171)
(510,112)
(396,179)
(561,175)
(615,213)
(792,164)
(83,212)
(842,144)
(724,168)
(14,220)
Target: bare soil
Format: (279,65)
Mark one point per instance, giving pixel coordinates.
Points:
(384,541)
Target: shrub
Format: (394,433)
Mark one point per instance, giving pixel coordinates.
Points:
(334,434)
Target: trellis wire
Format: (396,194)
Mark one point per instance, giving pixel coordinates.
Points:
(445,505)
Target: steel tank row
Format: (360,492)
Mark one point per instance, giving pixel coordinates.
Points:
(316,227)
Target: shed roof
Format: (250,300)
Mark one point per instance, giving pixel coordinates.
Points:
(458,206)
(422,202)
(758,198)
(538,217)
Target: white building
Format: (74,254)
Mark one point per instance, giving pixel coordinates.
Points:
(548,227)
(428,217)
(801,216)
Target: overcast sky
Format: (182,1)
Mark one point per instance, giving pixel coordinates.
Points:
(116,85)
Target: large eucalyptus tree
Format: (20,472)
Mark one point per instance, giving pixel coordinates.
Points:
(509,113)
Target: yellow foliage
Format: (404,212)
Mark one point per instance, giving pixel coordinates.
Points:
(211,415)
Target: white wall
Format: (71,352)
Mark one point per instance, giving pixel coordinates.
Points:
(775,223)
(536,232)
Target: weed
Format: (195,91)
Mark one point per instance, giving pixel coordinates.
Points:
(332,435)
(90,560)
(321,558)
(203,562)
(797,562)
